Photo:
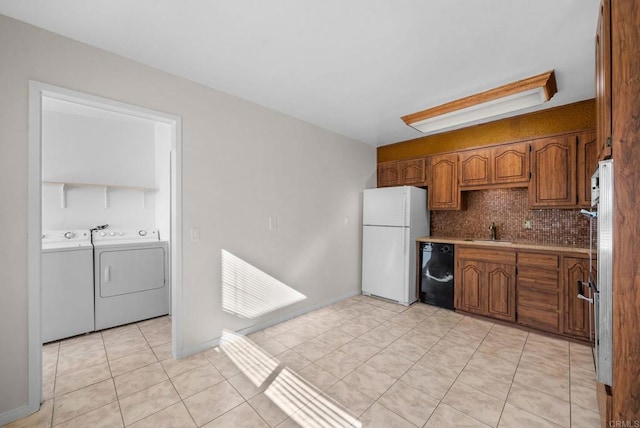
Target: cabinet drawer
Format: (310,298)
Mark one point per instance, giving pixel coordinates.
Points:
(540,260)
(545,320)
(487,255)
(540,299)
(538,278)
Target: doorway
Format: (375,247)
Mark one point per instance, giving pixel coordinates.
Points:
(166,130)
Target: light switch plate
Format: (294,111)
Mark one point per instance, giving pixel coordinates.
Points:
(195,234)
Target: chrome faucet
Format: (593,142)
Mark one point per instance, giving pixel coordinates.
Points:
(492,229)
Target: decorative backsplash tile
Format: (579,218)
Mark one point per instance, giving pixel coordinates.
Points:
(508,208)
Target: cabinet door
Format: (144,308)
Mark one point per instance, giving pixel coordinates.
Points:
(587,164)
(469,291)
(553,173)
(475,168)
(603,80)
(577,310)
(501,289)
(388,174)
(444,193)
(511,164)
(412,172)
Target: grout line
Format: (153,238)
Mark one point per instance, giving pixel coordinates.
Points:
(514,376)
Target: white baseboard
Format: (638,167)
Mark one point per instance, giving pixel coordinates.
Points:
(14,414)
(252,329)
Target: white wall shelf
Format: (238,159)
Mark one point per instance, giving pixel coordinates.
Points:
(65,185)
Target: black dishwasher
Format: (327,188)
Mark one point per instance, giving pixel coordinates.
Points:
(436,280)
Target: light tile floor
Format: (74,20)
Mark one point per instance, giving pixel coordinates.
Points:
(389,365)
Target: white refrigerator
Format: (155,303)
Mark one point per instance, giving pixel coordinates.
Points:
(393,217)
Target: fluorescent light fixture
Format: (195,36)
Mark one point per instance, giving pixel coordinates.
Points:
(504,99)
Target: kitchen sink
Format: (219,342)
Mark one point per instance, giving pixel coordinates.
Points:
(488,240)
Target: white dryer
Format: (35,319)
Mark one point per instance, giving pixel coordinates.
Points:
(131,276)
(67,284)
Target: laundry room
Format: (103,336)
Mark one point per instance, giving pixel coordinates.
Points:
(106,218)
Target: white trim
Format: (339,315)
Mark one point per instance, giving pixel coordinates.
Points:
(252,329)
(14,414)
(176,239)
(36,91)
(34,247)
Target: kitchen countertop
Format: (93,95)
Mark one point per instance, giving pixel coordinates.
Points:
(505,244)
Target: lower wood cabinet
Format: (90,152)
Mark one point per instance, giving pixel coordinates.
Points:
(577,321)
(485,282)
(536,289)
(539,301)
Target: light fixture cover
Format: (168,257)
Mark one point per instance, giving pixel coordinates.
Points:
(504,99)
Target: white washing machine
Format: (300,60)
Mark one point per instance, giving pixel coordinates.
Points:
(67,284)
(131,276)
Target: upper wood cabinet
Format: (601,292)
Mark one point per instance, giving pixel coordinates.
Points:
(603,80)
(475,168)
(402,173)
(444,193)
(501,166)
(553,173)
(587,164)
(388,174)
(413,172)
(511,163)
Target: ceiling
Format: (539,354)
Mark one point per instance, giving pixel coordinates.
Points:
(351,66)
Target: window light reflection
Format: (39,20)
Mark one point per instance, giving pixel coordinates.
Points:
(249,293)
(307,405)
(255,363)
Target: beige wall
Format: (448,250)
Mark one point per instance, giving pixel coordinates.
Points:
(241,164)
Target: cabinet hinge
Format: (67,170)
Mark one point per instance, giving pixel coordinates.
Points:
(609,141)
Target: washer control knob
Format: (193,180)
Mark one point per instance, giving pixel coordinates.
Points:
(142,232)
(120,233)
(69,235)
(112,234)
(103,233)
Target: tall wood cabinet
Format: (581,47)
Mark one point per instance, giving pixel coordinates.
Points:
(553,173)
(625,150)
(444,193)
(587,164)
(603,80)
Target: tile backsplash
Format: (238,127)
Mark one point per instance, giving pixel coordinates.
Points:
(508,208)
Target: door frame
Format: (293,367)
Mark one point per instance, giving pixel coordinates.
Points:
(37,90)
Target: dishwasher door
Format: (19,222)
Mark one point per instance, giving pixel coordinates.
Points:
(436,279)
